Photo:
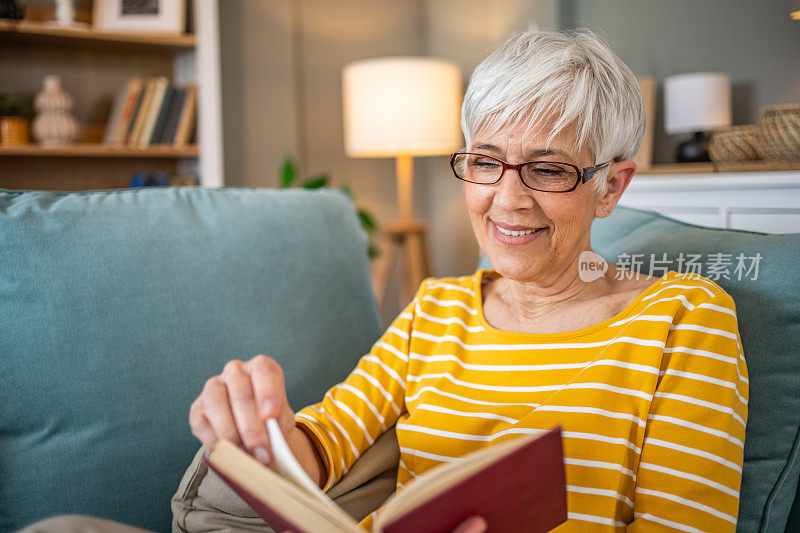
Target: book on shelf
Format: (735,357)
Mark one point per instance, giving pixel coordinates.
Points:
(152,111)
(151,114)
(186,122)
(163,114)
(119,128)
(174,115)
(120,105)
(137,120)
(516,485)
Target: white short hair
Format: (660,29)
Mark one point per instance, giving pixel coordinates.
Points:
(558,80)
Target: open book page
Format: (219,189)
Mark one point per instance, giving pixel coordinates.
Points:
(285,463)
(272,494)
(443,477)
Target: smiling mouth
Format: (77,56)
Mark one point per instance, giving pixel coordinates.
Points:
(519,231)
(512,233)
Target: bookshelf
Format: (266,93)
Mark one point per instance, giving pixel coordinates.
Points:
(94,66)
(33,31)
(99,150)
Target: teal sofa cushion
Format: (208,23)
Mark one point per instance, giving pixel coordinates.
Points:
(768,310)
(116,306)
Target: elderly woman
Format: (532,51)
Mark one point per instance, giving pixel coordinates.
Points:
(646,375)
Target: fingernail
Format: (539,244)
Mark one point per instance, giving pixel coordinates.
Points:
(267,406)
(262,454)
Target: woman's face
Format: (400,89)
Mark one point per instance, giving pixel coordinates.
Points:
(562,220)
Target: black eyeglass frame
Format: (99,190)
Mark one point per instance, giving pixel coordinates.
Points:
(584,174)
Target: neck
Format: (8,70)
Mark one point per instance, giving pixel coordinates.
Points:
(538,297)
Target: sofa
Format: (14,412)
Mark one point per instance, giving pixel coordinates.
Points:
(116,306)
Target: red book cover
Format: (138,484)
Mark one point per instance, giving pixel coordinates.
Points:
(524,490)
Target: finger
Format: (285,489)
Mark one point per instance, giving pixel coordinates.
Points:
(216,408)
(475,524)
(201,428)
(245,413)
(268,385)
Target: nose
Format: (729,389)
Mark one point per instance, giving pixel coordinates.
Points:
(511,194)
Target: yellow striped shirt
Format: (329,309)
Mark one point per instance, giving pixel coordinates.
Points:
(653,401)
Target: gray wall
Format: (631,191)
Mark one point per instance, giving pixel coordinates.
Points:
(281,87)
(754,41)
(259,99)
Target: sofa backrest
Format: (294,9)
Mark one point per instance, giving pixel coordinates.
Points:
(116,306)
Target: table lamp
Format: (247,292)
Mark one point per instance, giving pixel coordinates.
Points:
(402,107)
(697,102)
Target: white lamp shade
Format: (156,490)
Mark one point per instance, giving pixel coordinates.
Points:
(401,106)
(697,102)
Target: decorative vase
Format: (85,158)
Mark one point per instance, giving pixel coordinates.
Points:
(54,125)
(14,130)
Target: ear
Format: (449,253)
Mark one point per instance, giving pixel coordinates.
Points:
(619,176)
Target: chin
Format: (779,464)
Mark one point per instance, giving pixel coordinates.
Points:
(513,267)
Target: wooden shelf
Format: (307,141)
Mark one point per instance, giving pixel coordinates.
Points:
(99,150)
(708,168)
(33,31)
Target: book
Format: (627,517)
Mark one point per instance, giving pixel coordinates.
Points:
(163,114)
(142,140)
(136,120)
(516,485)
(174,115)
(183,134)
(116,112)
(121,127)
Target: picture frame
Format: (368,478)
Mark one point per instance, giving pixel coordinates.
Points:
(155,17)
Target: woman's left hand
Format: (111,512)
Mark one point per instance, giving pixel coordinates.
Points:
(475,524)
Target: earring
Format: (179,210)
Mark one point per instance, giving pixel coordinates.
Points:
(606,210)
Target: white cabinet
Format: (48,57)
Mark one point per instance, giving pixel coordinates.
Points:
(768,202)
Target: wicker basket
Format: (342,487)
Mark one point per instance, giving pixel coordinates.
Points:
(733,145)
(778,133)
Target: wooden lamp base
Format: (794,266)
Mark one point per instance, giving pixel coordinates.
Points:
(406,236)
(408,239)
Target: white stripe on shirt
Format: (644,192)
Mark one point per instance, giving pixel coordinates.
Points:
(687,503)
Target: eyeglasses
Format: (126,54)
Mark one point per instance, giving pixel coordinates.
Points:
(544,176)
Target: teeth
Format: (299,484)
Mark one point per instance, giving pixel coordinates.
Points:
(515,233)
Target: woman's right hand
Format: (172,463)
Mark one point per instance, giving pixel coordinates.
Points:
(236,404)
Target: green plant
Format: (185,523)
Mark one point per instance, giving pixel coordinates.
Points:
(15,106)
(288,178)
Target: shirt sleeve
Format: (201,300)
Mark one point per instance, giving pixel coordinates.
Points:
(690,468)
(369,401)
